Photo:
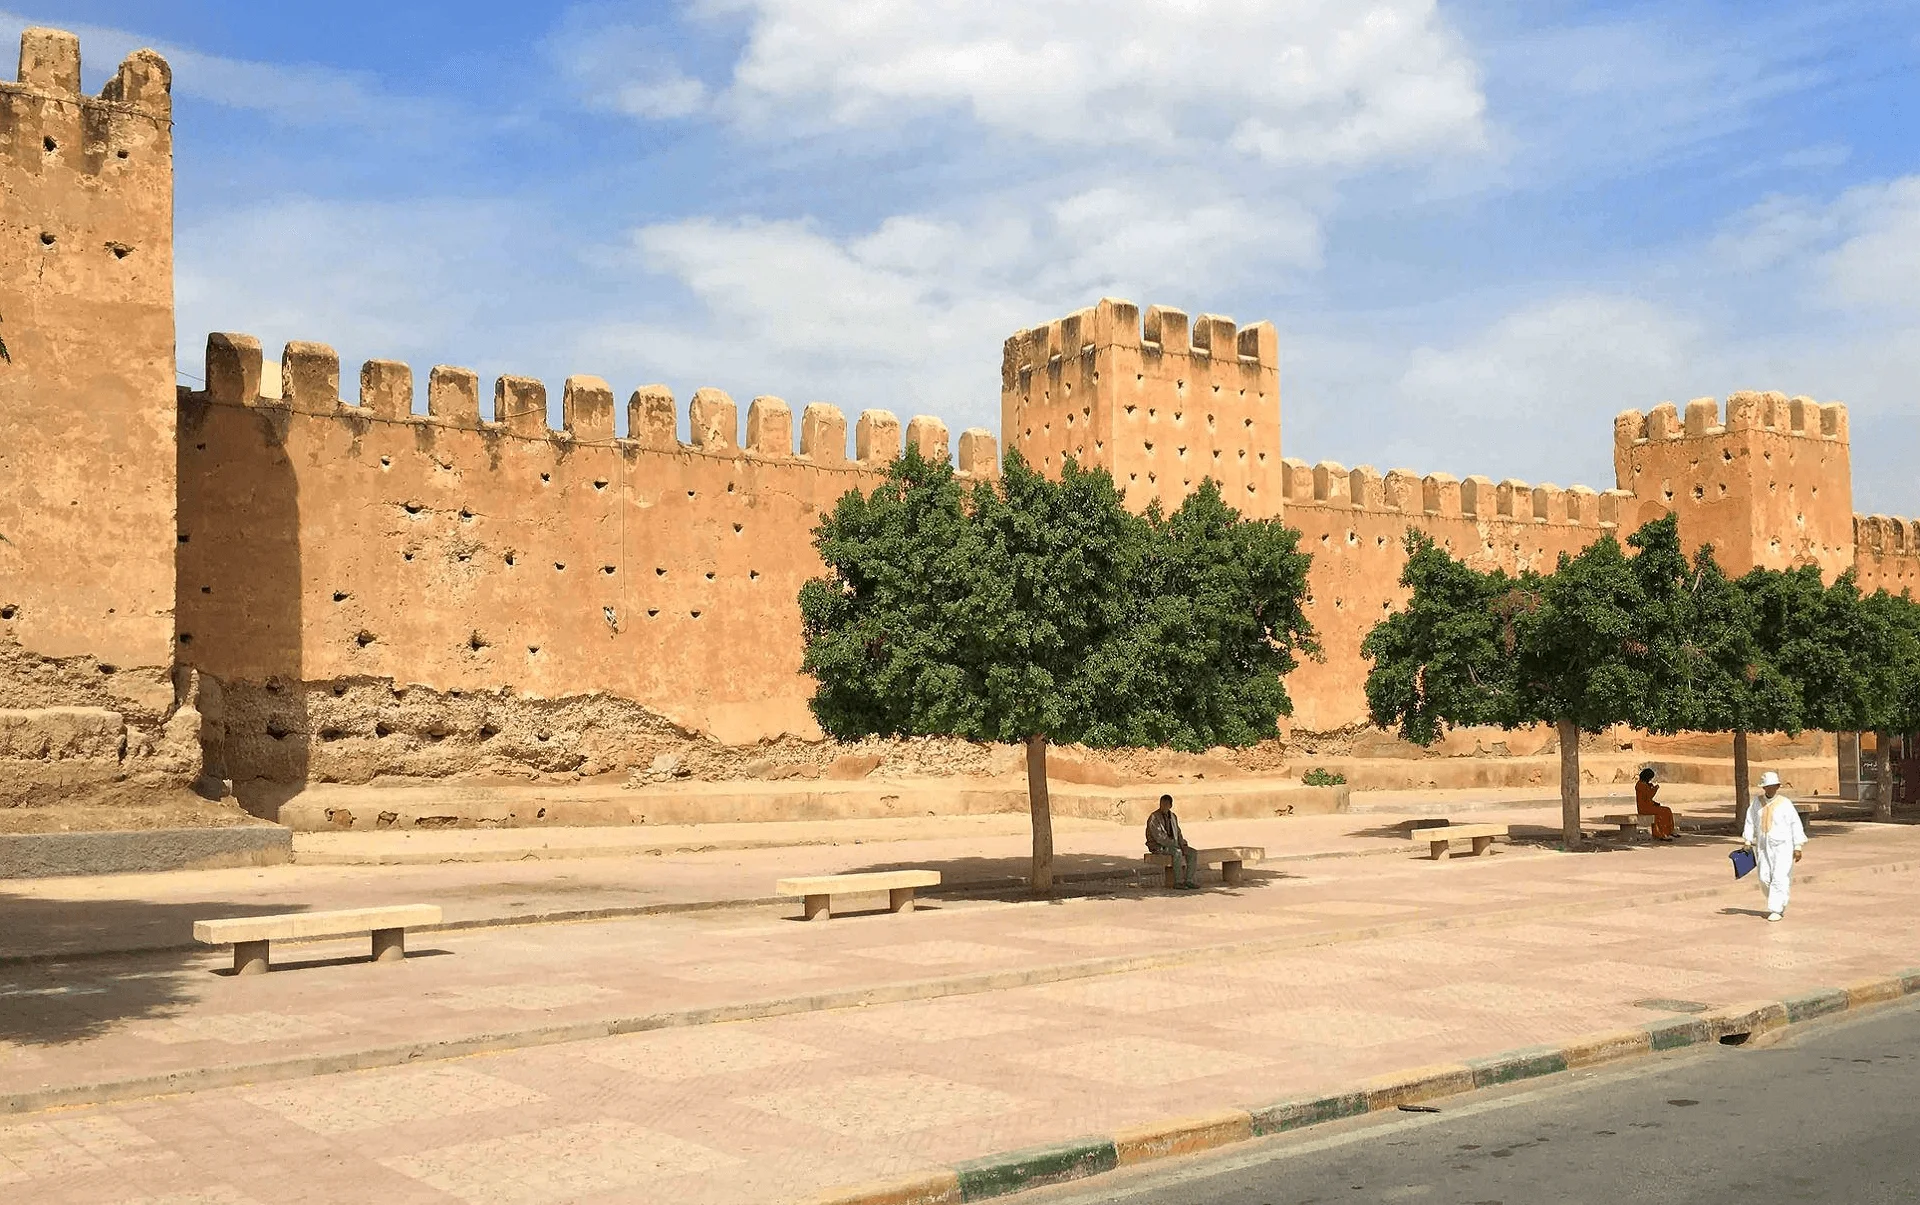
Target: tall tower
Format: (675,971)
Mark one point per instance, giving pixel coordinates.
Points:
(87,457)
(1158,406)
(1771,487)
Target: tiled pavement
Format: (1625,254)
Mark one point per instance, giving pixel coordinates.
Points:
(774,1109)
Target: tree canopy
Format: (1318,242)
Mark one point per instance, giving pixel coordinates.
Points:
(1033,610)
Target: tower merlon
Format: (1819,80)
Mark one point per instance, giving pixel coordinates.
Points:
(979,453)
(769,427)
(876,437)
(714,421)
(50,66)
(453,395)
(1365,487)
(310,376)
(520,405)
(586,409)
(386,388)
(652,420)
(233,368)
(823,434)
(1331,483)
(929,435)
(1746,410)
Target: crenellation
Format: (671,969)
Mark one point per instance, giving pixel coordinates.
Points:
(1402,490)
(586,409)
(386,389)
(1366,488)
(1165,331)
(769,427)
(453,396)
(1663,422)
(1476,497)
(823,434)
(876,437)
(929,436)
(1550,504)
(310,376)
(520,406)
(714,422)
(1214,336)
(1583,505)
(979,453)
(233,368)
(1703,417)
(1331,483)
(652,420)
(1513,499)
(1296,481)
(143,82)
(50,61)
(1619,508)
(1440,495)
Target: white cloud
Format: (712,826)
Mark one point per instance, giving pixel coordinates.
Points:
(910,312)
(1326,82)
(411,281)
(1878,265)
(626,68)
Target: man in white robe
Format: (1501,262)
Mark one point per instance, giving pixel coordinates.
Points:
(1775,836)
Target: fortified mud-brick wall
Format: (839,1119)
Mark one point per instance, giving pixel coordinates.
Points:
(1770,486)
(1158,405)
(1354,522)
(88,700)
(384,592)
(1887,554)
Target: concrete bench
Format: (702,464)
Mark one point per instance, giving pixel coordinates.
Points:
(1230,859)
(1632,822)
(249,935)
(1481,835)
(818,891)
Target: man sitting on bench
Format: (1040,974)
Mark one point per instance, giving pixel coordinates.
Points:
(1165,838)
(1644,804)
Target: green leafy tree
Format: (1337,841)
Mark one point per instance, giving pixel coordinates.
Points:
(1037,611)
(1584,648)
(1886,673)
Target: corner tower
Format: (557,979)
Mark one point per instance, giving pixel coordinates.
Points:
(1158,405)
(1770,487)
(87,457)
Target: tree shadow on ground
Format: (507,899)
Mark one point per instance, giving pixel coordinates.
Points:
(72,970)
(1073,874)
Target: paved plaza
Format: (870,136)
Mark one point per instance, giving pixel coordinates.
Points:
(737,1055)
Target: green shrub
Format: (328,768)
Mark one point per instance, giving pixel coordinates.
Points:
(1318,777)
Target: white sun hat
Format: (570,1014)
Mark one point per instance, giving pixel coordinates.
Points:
(1769,779)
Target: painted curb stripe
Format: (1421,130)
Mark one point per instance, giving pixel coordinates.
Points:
(1307,1111)
(980,1179)
(934,1188)
(1183,1137)
(998,1175)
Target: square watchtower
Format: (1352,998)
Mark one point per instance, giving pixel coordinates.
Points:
(1159,405)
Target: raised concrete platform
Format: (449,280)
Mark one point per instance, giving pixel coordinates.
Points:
(339,808)
(45,855)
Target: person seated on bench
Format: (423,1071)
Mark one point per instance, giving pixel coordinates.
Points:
(1643,803)
(1165,838)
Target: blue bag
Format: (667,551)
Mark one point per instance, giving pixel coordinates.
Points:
(1743,863)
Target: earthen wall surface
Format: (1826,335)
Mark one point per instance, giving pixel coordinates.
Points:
(384,592)
(88,697)
(1887,554)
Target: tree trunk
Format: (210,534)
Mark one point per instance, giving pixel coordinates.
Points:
(1883,776)
(1042,809)
(1569,782)
(1741,790)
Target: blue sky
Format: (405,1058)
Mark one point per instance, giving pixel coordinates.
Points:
(1481,228)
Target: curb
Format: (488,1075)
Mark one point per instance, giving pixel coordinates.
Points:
(1034,1167)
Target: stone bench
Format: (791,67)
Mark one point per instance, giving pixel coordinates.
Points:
(1634,821)
(1230,859)
(249,935)
(818,891)
(1481,835)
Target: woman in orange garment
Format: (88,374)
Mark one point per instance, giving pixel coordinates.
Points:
(1643,792)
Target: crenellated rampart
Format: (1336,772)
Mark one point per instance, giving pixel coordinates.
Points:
(1887,554)
(328,544)
(1768,484)
(1160,403)
(1354,522)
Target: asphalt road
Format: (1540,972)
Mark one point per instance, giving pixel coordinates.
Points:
(1830,1115)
